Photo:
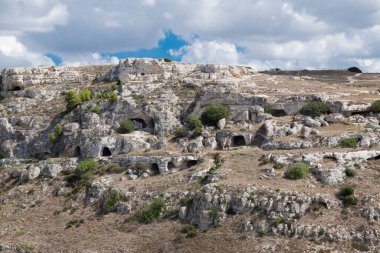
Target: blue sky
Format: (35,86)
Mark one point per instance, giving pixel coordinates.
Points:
(263,34)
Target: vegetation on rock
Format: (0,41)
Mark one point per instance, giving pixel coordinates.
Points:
(126,126)
(315,109)
(297,171)
(213,113)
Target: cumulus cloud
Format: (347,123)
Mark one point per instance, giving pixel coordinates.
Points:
(89,59)
(270,33)
(209,52)
(14,54)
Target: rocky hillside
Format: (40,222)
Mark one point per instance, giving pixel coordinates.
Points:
(160,156)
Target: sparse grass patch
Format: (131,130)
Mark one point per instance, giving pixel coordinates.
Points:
(297,171)
(278,166)
(27,247)
(74,223)
(350,142)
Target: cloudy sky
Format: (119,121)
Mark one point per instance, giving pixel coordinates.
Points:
(289,34)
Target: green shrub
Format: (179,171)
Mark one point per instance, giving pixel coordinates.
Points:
(213,113)
(114,86)
(347,195)
(297,171)
(152,211)
(167,60)
(96,109)
(72,100)
(349,172)
(315,109)
(85,95)
(189,230)
(350,142)
(375,107)
(82,174)
(278,166)
(52,137)
(194,123)
(58,129)
(126,126)
(113,96)
(182,132)
(111,200)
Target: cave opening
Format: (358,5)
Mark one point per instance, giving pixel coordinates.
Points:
(106,152)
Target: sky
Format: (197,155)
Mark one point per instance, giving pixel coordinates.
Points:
(263,34)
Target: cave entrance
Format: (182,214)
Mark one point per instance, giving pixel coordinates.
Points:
(17,88)
(171,166)
(191,163)
(139,123)
(77,152)
(363,113)
(155,169)
(278,113)
(238,141)
(106,152)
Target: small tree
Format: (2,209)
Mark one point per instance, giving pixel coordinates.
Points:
(72,100)
(350,142)
(214,113)
(315,109)
(126,126)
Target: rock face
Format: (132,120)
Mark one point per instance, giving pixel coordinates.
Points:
(140,125)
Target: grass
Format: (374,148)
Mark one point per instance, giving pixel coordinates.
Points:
(74,223)
(297,171)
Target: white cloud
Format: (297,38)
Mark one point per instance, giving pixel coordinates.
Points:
(13,53)
(209,52)
(89,59)
(32,16)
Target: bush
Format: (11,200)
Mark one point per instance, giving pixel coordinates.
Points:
(110,202)
(167,60)
(213,114)
(297,171)
(349,172)
(182,132)
(360,246)
(350,142)
(194,122)
(315,109)
(189,230)
(126,126)
(82,173)
(375,107)
(113,96)
(72,100)
(85,95)
(58,129)
(268,108)
(114,85)
(346,194)
(152,211)
(278,166)
(52,137)
(354,70)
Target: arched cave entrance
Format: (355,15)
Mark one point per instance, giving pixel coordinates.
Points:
(139,123)
(145,123)
(278,113)
(106,152)
(77,152)
(155,169)
(17,88)
(238,141)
